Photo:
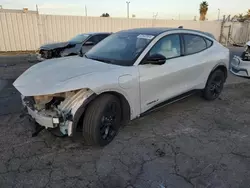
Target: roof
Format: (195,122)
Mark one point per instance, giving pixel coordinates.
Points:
(96,33)
(148,31)
(158,30)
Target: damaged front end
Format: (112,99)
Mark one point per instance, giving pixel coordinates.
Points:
(240,65)
(44,54)
(57,111)
(57,51)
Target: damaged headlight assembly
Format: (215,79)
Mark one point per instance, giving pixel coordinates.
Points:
(56,110)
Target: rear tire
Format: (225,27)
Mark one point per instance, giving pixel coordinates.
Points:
(102,120)
(214,85)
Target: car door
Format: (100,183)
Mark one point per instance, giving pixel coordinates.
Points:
(197,56)
(161,82)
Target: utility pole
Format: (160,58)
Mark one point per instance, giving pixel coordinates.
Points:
(86,11)
(179,16)
(154,18)
(155,15)
(218,14)
(128,8)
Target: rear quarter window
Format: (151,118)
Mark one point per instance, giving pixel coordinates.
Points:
(209,43)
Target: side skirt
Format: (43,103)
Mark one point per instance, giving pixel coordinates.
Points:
(170,101)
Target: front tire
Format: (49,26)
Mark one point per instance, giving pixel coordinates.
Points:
(102,120)
(214,85)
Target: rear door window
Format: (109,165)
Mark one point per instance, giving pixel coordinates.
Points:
(193,44)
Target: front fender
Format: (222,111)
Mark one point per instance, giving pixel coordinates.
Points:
(74,106)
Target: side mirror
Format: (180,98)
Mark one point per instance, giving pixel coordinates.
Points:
(88,43)
(156,59)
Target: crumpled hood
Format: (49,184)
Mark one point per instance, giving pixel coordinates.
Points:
(50,76)
(55,45)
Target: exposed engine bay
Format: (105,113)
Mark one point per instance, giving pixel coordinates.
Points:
(56,110)
(51,101)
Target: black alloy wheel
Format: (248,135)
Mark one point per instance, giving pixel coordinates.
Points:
(108,128)
(102,120)
(214,85)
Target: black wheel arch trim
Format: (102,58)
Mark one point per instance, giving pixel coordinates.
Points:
(220,66)
(81,110)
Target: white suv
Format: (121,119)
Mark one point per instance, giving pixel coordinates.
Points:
(126,75)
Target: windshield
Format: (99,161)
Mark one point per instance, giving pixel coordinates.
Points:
(79,38)
(120,48)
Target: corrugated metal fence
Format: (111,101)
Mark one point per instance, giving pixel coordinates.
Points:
(27,31)
(239,33)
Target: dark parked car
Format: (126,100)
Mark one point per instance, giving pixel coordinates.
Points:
(82,42)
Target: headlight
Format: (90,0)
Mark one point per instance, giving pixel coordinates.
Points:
(235,62)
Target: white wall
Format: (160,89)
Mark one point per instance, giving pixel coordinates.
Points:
(27,31)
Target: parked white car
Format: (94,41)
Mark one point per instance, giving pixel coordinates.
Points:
(123,77)
(240,65)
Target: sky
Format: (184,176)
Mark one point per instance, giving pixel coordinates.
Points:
(166,9)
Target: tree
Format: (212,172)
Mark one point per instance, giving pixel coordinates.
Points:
(105,15)
(203,10)
(243,18)
(248,14)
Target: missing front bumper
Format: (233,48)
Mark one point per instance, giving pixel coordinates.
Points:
(61,117)
(47,122)
(56,125)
